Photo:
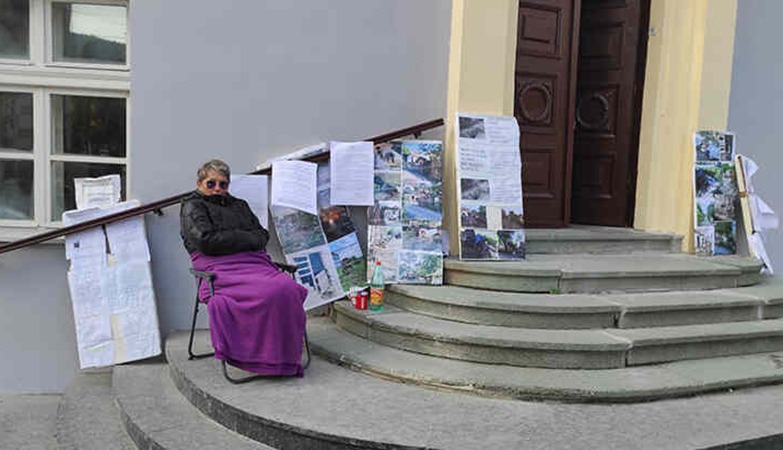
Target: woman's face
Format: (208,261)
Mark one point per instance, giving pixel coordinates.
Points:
(214,184)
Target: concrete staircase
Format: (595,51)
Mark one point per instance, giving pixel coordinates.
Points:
(594,316)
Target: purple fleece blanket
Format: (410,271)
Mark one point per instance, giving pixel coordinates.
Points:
(256,317)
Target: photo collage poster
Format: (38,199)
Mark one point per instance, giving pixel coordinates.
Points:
(405,221)
(489,172)
(324,247)
(715,188)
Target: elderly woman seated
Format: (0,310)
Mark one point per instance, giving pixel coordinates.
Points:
(256,315)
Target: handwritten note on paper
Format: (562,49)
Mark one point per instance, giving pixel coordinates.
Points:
(254,189)
(294,185)
(352,165)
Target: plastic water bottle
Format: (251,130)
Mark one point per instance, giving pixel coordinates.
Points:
(376,288)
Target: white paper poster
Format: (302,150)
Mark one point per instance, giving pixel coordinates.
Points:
(294,185)
(489,170)
(254,189)
(351,173)
(111,289)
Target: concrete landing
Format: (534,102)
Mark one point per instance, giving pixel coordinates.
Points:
(28,422)
(332,407)
(156,416)
(88,419)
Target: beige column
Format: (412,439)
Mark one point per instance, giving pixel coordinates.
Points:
(687,85)
(482,58)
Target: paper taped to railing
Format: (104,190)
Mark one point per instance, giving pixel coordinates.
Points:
(294,185)
(112,294)
(98,192)
(352,166)
(254,189)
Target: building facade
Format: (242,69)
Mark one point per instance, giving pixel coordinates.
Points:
(608,94)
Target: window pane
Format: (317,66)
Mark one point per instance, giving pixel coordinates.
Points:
(88,125)
(16,190)
(89,33)
(14,28)
(63,173)
(16,121)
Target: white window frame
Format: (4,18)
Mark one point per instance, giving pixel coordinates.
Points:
(44,79)
(49,36)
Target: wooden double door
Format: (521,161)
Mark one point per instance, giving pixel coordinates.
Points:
(578,91)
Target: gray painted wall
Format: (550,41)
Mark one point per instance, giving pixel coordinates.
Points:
(245,81)
(242,81)
(37,335)
(756,103)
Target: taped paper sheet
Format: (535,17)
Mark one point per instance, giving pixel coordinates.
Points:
(351,173)
(98,192)
(294,185)
(254,189)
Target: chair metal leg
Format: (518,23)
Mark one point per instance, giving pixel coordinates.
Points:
(240,380)
(193,331)
(307,352)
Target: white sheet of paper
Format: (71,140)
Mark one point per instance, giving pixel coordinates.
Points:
(294,185)
(506,190)
(91,331)
(352,165)
(756,244)
(86,292)
(100,192)
(127,240)
(99,355)
(764,218)
(750,168)
(254,189)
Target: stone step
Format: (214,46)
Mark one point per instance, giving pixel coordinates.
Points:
(578,311)
(583,349)
(599,240)
(558,349)
(604,273)
(87,417)
(333,407)
(156,415)
(631,384)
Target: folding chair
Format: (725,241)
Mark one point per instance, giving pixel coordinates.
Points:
(207,277)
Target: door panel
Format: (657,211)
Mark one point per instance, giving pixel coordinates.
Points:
(545,87)
(608,106)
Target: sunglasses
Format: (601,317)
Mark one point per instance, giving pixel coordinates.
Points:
(212,183)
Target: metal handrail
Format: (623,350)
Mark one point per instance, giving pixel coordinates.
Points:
(158,206)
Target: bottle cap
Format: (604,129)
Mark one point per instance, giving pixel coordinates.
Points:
(377,263)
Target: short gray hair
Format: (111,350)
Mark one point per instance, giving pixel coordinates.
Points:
(213,165)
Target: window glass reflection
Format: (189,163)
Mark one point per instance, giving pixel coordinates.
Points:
(16,121)
(16,190)
(14,29)
(92,126)
(83,33)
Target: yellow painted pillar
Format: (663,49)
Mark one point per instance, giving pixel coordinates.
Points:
(482,58)
(687,85)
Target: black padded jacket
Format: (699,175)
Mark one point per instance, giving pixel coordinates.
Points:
(219,225)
